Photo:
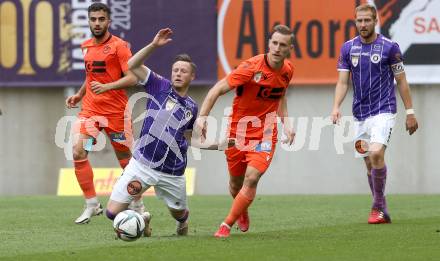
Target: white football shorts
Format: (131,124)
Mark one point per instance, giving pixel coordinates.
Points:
(137,178)
(375,129)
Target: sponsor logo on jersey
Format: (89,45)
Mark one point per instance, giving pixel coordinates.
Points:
(264,146)
(117,136)
(271,93)
(95,66)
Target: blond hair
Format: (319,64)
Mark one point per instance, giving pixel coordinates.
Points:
(367,7)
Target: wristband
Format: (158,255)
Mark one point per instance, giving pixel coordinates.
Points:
(410,111)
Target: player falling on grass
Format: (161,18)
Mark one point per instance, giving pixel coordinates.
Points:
(260,84)
(105,57)
(374,62)
(159,158)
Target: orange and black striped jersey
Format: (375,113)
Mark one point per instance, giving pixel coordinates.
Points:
(105,62)
(259,89)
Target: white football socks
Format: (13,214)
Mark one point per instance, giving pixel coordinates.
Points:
(92,202)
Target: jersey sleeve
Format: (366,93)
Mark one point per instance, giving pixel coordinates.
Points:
(154,83)
(395,54)
(241,75)
(124,54)
(396,59)
(344,59)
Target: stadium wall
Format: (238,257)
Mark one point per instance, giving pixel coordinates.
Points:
(30,160)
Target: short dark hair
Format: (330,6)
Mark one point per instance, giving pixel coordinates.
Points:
(95,7)
(283,29)
(185,58)
(367,7)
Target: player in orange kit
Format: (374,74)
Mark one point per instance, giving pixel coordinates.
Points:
(105,57)
(260,83)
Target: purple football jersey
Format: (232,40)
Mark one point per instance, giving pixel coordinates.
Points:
(371,74)
(162,145)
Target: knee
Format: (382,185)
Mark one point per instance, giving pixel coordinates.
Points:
(235,186)
(376,158)
(252,181)
(122,152)
(79,153)
(110,215)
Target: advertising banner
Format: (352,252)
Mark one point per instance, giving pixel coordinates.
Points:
(104,179)
(321,27)
(40,40)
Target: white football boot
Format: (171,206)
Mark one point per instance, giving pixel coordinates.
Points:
(88,212)
(147,219)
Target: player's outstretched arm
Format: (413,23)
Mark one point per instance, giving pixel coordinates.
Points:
(195,141)
(220,88)
(283,113)
(136,62)
(340,93)
(405,94)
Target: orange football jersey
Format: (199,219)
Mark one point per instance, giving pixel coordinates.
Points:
(259,89)
(105,63)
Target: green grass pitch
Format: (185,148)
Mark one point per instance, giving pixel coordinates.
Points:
(282,228)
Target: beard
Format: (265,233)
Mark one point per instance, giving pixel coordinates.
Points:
(366,34)
(99,34)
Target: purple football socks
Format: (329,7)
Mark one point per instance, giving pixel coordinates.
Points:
(378,178)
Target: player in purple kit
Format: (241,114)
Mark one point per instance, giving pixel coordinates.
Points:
(159,159)
(374,62)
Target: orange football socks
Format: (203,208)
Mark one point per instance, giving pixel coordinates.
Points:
(84,175)
(240,204)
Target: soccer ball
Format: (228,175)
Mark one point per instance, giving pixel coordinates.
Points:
(129,225)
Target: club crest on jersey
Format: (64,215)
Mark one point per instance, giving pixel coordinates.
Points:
(107,49)
(188,114)
(375,58)
(355,59)
(257,76)
(170,104)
